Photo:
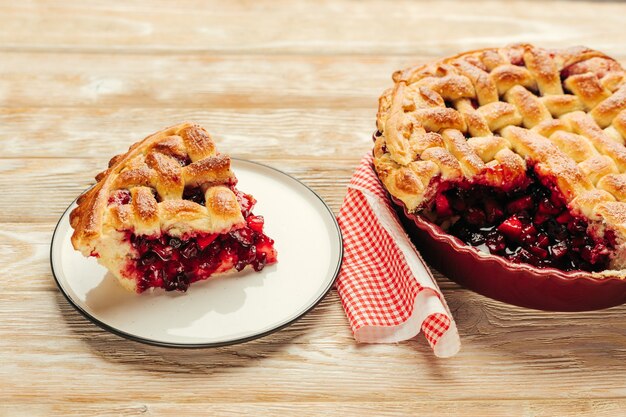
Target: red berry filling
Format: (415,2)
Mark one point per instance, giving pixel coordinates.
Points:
(120,197)
(173,263)
(531,225)
(194,194)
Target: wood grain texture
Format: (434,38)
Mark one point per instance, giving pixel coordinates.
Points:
(197,80)
(292,84)
(77,132)
(338,27)
(536,408)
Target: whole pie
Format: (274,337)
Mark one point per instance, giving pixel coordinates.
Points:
(517,151)
(167,213)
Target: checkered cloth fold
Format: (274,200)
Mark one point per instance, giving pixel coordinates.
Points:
(385,287)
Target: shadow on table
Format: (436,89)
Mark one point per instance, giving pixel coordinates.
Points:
(204,361)
(504,344)
(501,345)
(506,335)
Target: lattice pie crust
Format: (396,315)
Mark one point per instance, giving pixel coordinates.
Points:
(489,116)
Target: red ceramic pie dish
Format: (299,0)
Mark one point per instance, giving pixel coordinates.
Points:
(514,283)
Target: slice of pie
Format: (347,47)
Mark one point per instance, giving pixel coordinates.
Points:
(517,151)
(167,213)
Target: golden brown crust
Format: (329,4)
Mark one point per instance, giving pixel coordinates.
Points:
(588,89)
(607,110)
(614,184)
(197,141)
(169,177)
(212,169)
(142,190)
(497,109)
(543,69)
(145,209)
(549,160)
(613,214)
(532,110)
(507,76)
(619,124)
(222,201)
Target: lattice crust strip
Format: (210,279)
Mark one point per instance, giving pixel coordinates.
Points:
(153,177)
(486,115)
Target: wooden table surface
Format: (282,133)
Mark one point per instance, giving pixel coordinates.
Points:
(292,84)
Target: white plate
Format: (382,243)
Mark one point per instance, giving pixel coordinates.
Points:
(224,310)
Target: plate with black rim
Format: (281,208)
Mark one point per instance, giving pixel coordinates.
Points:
(227,309)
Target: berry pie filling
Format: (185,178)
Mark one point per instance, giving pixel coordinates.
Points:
(174,262)
(531,224)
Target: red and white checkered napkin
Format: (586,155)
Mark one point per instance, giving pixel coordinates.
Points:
(387,291)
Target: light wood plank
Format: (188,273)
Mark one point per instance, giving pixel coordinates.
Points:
(535,408)
(313,360)
(345,27)
(77,132)
(195,80)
